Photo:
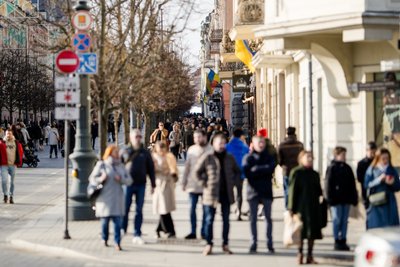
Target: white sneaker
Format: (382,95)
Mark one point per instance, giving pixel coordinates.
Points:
(138,240)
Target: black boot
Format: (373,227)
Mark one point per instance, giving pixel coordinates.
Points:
(337,245)
(344,246)
(5,199)
(11,200)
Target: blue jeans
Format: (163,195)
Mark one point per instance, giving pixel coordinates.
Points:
(7,180)
(105,221)
(253,204)
(286,189)
(139,192)
(209,222)
(194,199)
(340,217)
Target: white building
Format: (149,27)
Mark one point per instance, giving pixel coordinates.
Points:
(342,42)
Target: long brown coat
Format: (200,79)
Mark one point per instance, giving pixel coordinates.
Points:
(208,171)
(164,193)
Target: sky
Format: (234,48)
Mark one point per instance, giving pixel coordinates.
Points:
(191,37)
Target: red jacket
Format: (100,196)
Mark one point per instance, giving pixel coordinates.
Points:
(18,157)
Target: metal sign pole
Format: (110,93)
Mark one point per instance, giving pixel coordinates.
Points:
(66,157)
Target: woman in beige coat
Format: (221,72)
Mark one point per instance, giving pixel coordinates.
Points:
(164,194)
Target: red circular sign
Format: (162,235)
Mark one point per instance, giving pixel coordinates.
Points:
(67,61)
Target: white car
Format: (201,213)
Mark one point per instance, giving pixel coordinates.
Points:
(379,248)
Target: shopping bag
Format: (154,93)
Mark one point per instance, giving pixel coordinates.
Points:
(292,229)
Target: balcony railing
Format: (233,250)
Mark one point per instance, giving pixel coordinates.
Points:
(231,66)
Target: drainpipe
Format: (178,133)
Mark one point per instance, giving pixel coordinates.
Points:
(311,107)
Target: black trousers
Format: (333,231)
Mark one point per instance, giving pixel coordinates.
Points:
(53,148)
(166,224)
(175,151)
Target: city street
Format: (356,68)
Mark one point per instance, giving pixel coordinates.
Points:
(31,232)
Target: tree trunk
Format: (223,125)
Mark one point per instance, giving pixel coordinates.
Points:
(147,128)
(103,128)
(116,119)
(125,120)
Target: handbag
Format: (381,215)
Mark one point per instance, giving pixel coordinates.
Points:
(292,229)
(94,191)
(323,206)
(377,199)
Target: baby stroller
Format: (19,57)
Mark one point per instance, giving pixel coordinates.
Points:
(30,158)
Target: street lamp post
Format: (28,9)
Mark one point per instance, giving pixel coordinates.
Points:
(83,158)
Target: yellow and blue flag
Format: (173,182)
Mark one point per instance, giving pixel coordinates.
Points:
(244,53)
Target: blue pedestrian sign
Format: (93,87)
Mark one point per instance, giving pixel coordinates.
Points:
(88,63)
(81,42)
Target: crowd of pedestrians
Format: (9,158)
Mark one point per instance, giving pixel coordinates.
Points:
(216,168)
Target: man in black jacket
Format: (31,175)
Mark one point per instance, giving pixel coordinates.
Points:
(139,164)
(362,168)
(258,167)
(340,192)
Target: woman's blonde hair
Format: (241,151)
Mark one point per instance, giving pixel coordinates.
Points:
(109,150)
(302,154)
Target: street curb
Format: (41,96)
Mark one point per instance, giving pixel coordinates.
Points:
(55,251)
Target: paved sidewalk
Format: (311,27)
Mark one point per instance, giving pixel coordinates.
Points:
(45,235)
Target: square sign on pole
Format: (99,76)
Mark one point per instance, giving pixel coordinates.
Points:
(88,63)
(64,83)
(68,97)
(67,113)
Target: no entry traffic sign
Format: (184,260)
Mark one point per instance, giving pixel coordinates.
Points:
(67,61)
(81,42)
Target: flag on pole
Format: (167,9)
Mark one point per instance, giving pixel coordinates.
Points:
(213,81)
(244,53)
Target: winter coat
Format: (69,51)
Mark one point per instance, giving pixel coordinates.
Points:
(139,164)
(304,196)
(164,194)
(340,184)
(111,201)
(26,135)
(189,179)
(18,153)
(54,136)
(362,168)
(208,170)
(258,168)
(187,139)
(164,135)
(384,215)
(239,150)
(175,138)
(47,130)
(288,151)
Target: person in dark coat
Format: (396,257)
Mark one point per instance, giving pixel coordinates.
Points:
(258,167)
(340,193)
(288,151)
(304,199)
(139,164)
(219,173)
(94,131)
(381,176)
(362,168)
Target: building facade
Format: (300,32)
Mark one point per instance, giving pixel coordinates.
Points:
(318,70)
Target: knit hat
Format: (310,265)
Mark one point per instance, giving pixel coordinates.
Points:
(263,133)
